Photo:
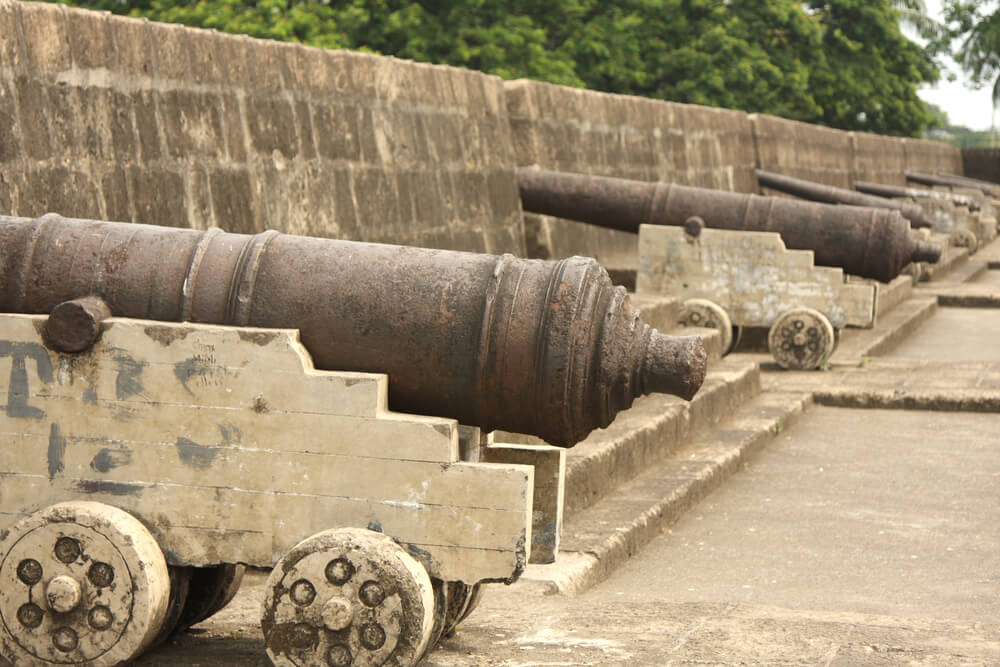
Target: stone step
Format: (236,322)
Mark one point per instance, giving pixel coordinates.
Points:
(650,430)
(600,538)
(897,324)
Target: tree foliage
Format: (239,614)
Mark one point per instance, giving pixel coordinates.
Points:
(842,63)
(976,27)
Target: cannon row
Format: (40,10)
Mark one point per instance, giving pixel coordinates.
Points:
(190,402)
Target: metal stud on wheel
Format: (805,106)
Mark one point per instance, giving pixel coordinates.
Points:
(801,339)
(347,597)
(708,314)
(80,582)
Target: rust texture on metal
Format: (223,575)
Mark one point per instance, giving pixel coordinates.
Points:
(954,181)
(831,195)
(897,191)
(551,349)
(872,243)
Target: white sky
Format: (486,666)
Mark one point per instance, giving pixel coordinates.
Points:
(964,106)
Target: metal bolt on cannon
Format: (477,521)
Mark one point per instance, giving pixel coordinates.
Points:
(551,349)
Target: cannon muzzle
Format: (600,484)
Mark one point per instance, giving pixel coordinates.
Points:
(873,243)
(551,349)
(991,190)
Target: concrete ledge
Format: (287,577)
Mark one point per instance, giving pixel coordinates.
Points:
(953,400)
(650,430)
(856,344)
(892,294)
(965,295)
(601,538)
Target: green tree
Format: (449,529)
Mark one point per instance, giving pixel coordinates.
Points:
(874,70)
(976,26)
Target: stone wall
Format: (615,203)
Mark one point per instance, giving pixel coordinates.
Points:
(107,117)
(981,163)
(569,129)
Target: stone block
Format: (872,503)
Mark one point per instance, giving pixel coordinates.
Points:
(444,137)
(231,112)
(6,196)
(59,190)
(90,39)
(207,65)
(345,209)
(123,137)
(199,198)
(133,43)
(377,205)
(147,126)
(158,197)
(11,57)
(354,73)
(271,122)
(10,140)
(46,37)
(173,61)
(234,55)
(114,190)
(427,209)
(337,131)
(31,97)
(232,200)
(192,124)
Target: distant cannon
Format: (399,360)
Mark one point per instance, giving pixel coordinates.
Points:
(831,195)
(953,181)
(896,191)
(873,243)
(551,349)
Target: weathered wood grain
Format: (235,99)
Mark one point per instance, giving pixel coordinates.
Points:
(231,447)
(750,274)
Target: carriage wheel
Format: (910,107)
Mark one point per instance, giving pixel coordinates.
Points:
(801,339)
(708,314)
(80,582)
(347,596)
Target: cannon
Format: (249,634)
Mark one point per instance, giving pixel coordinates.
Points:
(832,195)
(550,349)
(872,243)
(896,191)
(954,181)
(180,404)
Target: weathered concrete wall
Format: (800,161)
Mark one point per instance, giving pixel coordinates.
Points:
(932,156)
(107,117)
(802,150)
(568,129)
(981,163)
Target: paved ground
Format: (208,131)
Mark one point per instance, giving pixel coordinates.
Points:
(988,278)
(954,334)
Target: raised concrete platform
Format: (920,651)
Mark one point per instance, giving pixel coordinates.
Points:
(889,330)
(605,535)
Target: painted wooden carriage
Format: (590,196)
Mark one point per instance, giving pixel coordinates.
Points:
(733,279)
(140,476)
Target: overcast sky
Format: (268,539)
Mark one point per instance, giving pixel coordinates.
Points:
(964,106)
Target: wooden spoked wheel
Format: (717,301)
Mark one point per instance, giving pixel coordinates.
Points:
(708,314)
(83,583)
(801,339)
(348,597)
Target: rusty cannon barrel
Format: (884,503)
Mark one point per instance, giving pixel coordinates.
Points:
(552,349)
(873,243)
(883,190)
(992,190)
(831,195)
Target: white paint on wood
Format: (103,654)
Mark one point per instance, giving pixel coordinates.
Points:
(231,447)
(750,274)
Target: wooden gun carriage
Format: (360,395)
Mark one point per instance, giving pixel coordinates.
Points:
(139,476)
